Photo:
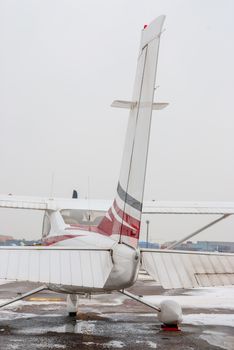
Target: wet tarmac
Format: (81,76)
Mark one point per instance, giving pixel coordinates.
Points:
(108,322)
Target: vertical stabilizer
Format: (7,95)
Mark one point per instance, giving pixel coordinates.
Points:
(124,217)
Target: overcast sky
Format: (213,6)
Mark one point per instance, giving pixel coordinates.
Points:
(62,63)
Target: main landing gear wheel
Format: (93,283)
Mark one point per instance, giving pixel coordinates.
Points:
(169,311)
(170,315)
(72,304)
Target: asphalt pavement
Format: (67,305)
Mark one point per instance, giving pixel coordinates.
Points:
(109,321)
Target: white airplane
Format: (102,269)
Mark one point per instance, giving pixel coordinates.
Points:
(92,246)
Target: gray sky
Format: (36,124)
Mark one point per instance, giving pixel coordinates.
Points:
(61,65)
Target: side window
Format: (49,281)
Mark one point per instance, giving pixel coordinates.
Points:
(46,226)
(82,217)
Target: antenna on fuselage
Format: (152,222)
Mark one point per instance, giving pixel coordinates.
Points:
(52,186)
(88,197)
(74,194)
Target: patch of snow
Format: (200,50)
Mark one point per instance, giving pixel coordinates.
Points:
(209,319)
(206,298)
(4,282)
(16,304)
(151,344)
(37,330)
(144,277)
(85,327)
(10,315)
(43,346)
(114,344)
(219,292)
(115,301)
(222,340)
(14,346)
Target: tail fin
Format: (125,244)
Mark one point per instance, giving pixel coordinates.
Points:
(124,217)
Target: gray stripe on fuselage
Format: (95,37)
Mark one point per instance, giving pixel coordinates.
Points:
(129,199)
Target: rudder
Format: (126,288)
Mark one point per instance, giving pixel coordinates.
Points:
(124,217)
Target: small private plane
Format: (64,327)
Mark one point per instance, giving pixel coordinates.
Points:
(91,246)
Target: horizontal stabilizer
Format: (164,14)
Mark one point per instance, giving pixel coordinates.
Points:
(84,268)
(184,269)
(131,104)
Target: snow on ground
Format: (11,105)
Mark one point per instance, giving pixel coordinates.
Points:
(114,344)
(4,282)
(7,315)
(150,344)
(111,344)
(115,301)
(15,305)
(220,339)
(204,298)
(219,292)
(209,319)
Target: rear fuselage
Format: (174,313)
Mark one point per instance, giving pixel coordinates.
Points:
(125,259)
(59,231)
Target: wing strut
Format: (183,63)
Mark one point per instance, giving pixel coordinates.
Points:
(172,246)
(25,295)
(169,312)
(140,299)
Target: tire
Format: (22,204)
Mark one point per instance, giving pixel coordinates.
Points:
(72,314)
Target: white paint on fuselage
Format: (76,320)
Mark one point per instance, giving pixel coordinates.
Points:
(125,259)
(86,240)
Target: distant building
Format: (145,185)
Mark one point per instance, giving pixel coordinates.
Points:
(201,246)
(10,241)
(143,244)
(207,246)
(167,244)
(4,238)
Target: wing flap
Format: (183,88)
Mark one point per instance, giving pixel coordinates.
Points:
(69,266)
(182,269)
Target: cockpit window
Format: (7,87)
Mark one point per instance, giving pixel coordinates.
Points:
(82,217)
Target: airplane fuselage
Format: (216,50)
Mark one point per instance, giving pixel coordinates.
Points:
(61,231)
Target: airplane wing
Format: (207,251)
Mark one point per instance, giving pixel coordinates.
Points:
(149,207)
(56,265)
(164,207)
(184,269)
(18,202)
(37,203)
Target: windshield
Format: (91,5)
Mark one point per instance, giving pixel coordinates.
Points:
(82,217)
